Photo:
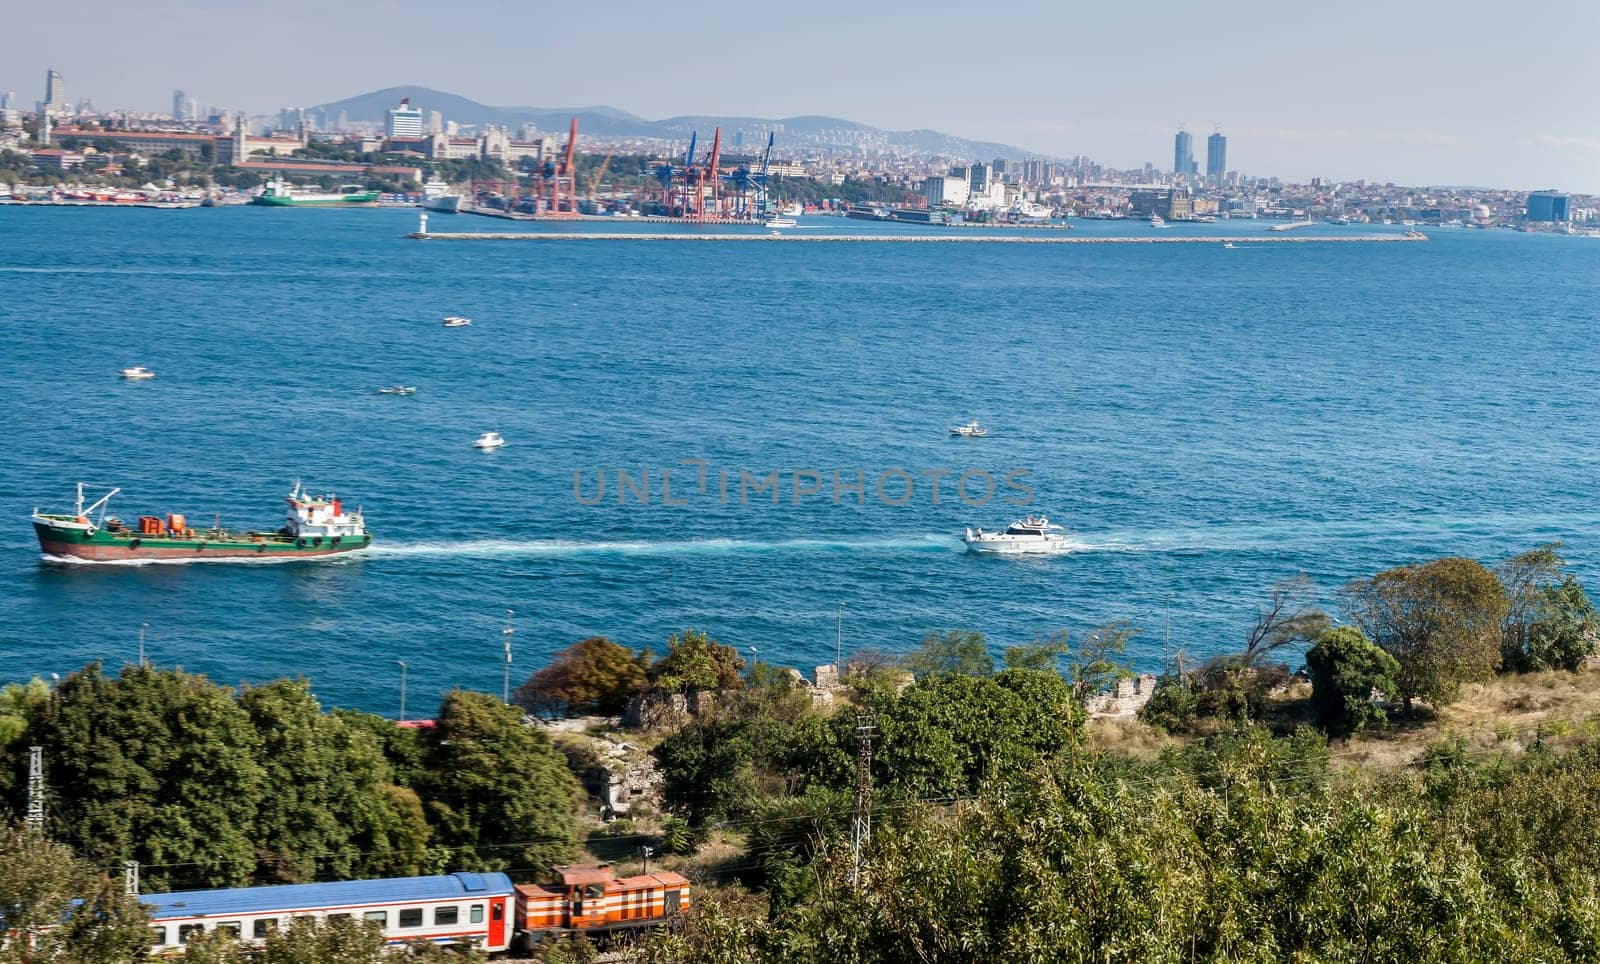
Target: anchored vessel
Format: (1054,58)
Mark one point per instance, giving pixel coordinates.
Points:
(1030,535)
(316,525)
(279,194)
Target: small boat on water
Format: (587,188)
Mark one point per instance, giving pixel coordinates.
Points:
(1030,536)
(1157,221)
(1228,245)
(398,390)
(456,321)
(488,440)
(970,430)
(779,221)
(136,373)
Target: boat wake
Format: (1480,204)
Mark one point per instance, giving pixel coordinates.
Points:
(511,548)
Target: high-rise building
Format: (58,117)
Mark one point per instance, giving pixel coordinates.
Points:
(8,101)
(978,178)
(55,91)
(1550,206)
(1216,156)
(405,120)
(1183,154)
(435,122)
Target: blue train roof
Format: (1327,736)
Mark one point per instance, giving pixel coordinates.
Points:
(344,893)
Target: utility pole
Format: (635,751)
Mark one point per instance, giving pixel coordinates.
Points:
(403,668)
(1166,639)
(861,823)
(505,686)
(142,628)
(647,850)
(130,877)
(838,644)
(35,820)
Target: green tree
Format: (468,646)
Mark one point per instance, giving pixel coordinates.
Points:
(333,940)
(1291,615)
(158,766)
(1345,669)
(332,811)
(1098,664)
(497,791)
(695,661)
(1441,620)
(1550,622)
(1045,655)
(39,882)
(956,651)
(593,674)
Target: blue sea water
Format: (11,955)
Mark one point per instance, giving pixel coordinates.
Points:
(1206,421)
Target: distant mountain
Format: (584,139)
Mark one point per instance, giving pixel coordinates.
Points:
(794,134)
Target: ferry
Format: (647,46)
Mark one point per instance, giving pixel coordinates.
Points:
(279,194)
(779,221)
(316,525)
(1031,536)
(1157,221)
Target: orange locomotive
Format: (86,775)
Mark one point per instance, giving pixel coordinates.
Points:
(590,899)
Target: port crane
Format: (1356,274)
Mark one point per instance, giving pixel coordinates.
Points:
(749,187)
(554,175)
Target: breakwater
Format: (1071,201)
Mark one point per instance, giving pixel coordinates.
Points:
(898,238)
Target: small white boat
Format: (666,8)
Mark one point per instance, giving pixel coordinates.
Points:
(1030,536)
(398,390)
(969,430)
(136,373)
(779,221)
(1157,221)
(488,440)
(456,321)
(1228,245)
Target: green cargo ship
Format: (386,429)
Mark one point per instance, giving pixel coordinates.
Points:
(316,526)
(279,194)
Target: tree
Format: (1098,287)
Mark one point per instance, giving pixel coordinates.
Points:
(496,790)
(39,882)
(1441,620)
(158,766)
(955,652)
(1096,666)
(695,661)
(1291,615)
(332,940)
(1346,668)
(1044,655)
(592,674)
(332,811)
(1550,622)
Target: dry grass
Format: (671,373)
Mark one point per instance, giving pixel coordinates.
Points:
(1508,713)
(1127,735)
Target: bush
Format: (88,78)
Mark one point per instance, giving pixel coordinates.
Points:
(1345,669)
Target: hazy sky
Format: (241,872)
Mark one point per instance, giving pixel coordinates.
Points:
(1414,91)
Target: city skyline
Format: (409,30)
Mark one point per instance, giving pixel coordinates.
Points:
(1342,109)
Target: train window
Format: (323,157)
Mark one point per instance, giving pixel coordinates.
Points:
(229,927)
(338,917)
(158,937)
(443,916)
(499,912)
(411,917)
(263,926)
(186,931)
(477,913)
(381,916)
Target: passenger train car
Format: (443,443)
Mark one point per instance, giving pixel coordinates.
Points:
(484,909)
(444,909)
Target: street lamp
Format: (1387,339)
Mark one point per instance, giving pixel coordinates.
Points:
(403,668)
(505,686)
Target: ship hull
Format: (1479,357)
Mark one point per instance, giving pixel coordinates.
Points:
(103,546)
(280,201)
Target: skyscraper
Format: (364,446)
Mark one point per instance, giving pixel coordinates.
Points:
(405,120)
(180,106)
(1182,154)
(1216,156)
(55,91)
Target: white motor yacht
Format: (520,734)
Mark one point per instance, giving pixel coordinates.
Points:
(1157,221)
(779,221)
(1033,535)
(137,373)
(969,430)
(456,321)
(488,440)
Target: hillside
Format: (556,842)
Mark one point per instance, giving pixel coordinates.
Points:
(794,133)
